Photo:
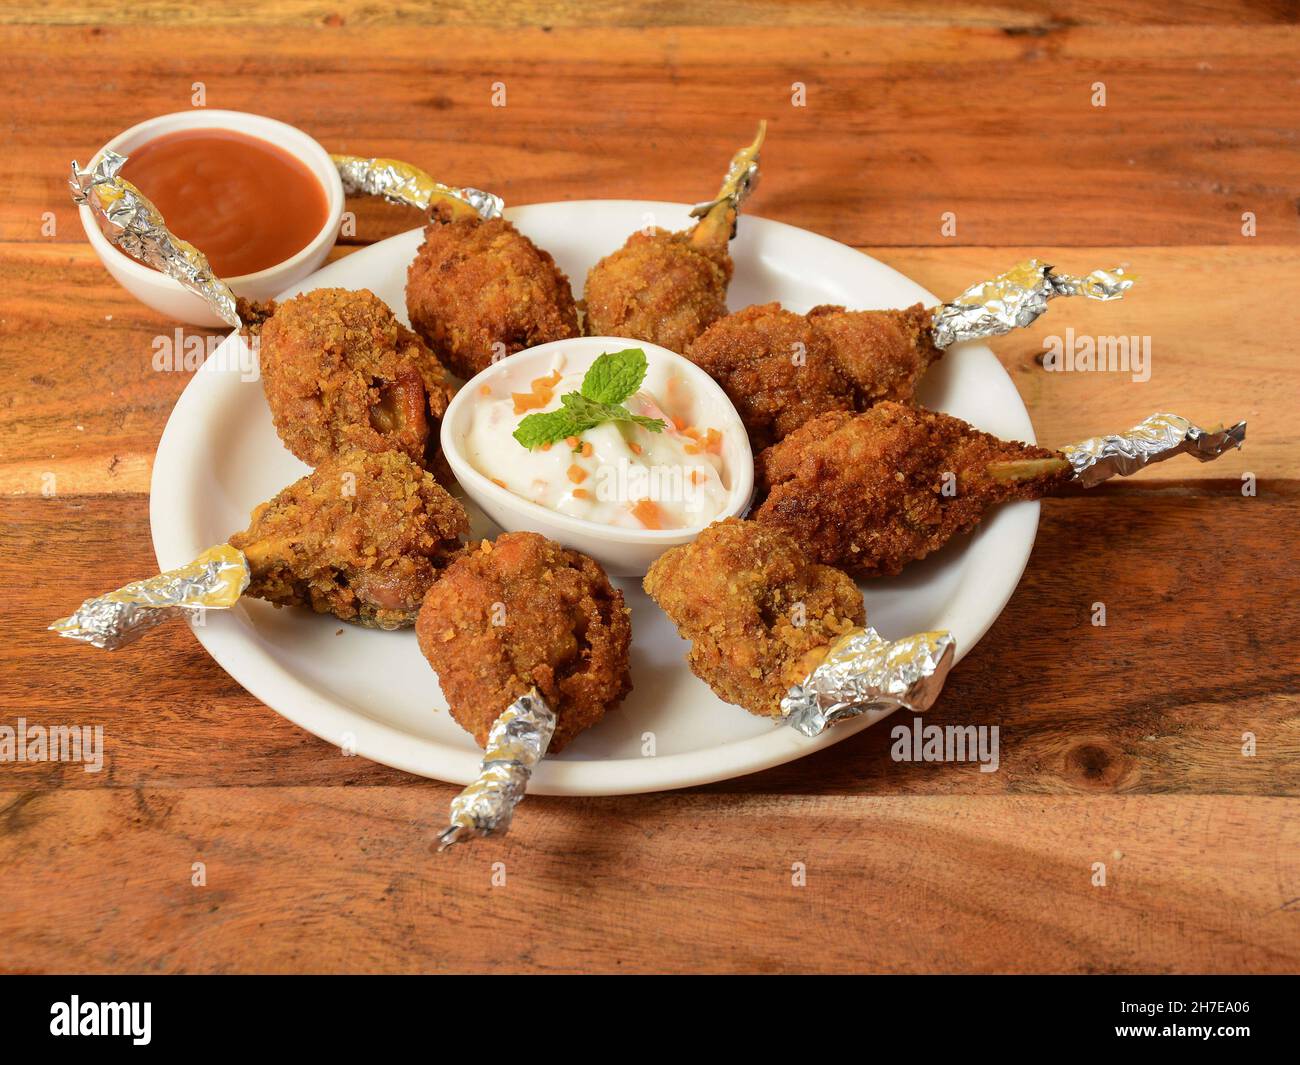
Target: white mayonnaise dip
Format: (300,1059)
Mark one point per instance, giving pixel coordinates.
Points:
(618,473)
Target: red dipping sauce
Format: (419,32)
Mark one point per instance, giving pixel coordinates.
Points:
(242,201)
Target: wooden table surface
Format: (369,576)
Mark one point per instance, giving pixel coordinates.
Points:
(1121,745)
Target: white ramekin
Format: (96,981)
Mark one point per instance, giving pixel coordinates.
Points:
(623,552)
(169,297)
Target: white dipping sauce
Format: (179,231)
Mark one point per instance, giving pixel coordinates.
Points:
(620,473)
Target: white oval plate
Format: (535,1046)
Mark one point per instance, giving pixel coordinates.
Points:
(374,694)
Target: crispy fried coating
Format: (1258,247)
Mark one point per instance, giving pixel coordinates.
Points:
(523,611)
(871,492)
(781,369)
(475,285)
(775,366)
(340,371)
(253,313)
(363,538)
(882,354)
(660,287)
(759,613)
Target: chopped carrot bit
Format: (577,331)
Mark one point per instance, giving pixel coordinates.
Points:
(542,391)
(697,477)
(485,390)
(679,423)
(636,448)
(692,449)
(546,446)
(587,449)
(713,442)
(647,512)
(581,493)
(526,401)
(572,441)
(692,432)
(577,474)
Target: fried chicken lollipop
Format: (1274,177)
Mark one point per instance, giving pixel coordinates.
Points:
(666,288)
(872,492)
(523,612)
(781,369)
(337,367)
(340,371)
(479,290)
(362,538)
(758,611)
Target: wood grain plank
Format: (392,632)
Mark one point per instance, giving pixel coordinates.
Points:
(1120,745)
(334,879)
(1199,598)
(1217,320)
(1200,123)
(1025,16)
(1216,324)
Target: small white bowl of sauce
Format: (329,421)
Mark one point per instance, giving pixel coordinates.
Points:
(619,492)
(261,199)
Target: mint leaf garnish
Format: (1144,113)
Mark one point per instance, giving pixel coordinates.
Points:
(538,429)
(615,376)
(622,414)
(612,378)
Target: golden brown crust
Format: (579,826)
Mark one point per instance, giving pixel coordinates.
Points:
(881,354)
(781,369)
(776,368)
(474,285)
(758,612)
(523,611)
(781,461)
(253,314)
(363,538)
(659,287)
(340,371)
(871,492)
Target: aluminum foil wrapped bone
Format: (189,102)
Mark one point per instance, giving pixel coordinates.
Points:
(516,743)
(130,221)
(1015,299)
(213,581)
(409,186)
(741,179)
(863,673)
(1159,437)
